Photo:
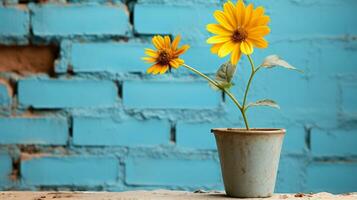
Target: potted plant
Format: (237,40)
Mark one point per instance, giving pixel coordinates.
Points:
(249,156)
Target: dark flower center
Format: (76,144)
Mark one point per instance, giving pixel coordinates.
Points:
(239,35)
(164,58)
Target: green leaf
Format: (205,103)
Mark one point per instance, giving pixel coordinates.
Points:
(224,76)
(264,102)
(225,72)
(274,61)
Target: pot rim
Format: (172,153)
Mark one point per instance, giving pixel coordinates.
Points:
(255,131)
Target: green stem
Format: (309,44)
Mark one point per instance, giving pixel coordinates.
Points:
(230,95)
(202,75)
(248,86)
(249,81)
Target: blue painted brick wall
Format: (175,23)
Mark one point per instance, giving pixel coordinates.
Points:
(172,172)
(196,136)
(98,122)
(334,143)
(67,93)
(34,130)
(106,131)
(169,94)
(69,20)
(335,177)
(19,18)
(72,170)
(5,169)
(108,57)
(5,93)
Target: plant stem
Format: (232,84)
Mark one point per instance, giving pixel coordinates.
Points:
(249,81)
(230,95)
(247,88)
(202,75)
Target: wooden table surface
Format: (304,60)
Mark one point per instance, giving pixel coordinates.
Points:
(155,195)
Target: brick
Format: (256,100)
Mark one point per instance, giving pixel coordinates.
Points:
(334,142)
(335,56)
(172,172)
(67,93)
(170,19)
(159,94)
(110,57)
(349,98)
(68,20)
(333,177)
(319,16)
(294,140)
(196,135)
(29,59)
(47,131)
(71,170)
(5,169)
(15,22)
(290,178)
(106,131)
(5,93)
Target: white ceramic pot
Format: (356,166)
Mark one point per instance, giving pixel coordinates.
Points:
(249,160)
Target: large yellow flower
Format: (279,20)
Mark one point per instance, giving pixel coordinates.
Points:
(166,55)
(239,29)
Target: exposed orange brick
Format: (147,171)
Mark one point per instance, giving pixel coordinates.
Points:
(29,156)
(26,60)
(5,82)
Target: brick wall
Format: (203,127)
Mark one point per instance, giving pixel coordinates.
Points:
(78,112)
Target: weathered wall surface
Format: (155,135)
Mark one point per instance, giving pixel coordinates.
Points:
(78,111)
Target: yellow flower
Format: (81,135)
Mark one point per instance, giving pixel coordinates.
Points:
(166,55)
(239,29)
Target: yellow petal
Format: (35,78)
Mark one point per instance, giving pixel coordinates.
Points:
(163,69)
(218,39)
(174,64)
(246,47)
(157,69)
(180,61)
(151,69)
(259,21)
(167,41)
(259,11)
(236,54)
(240,8)
(225,49)
(248,14)
(222,19)
(258,31)
(229,10)
(218,29)
(149,59)
(151,52)
(215,47)
(181,50)
(259,42)
(176,42)
(158,42)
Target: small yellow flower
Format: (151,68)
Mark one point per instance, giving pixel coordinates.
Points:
(166,55)
(239,29)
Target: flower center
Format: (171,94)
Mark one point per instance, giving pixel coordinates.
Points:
(239,35)
(164,58)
